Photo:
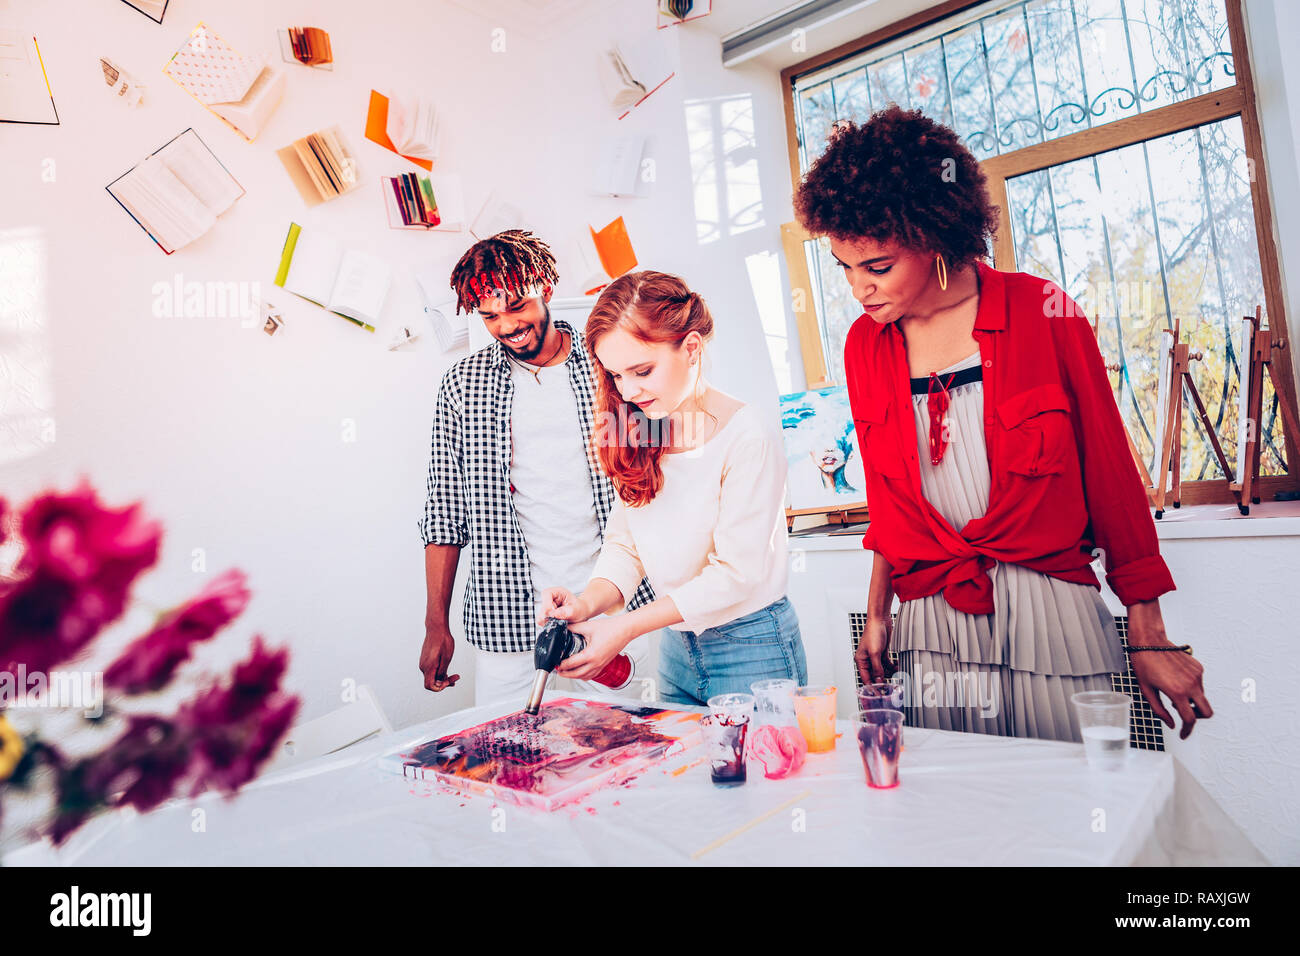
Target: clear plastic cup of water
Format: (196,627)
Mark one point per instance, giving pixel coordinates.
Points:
(1104,724)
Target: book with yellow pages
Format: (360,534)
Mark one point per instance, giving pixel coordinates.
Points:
(320,165)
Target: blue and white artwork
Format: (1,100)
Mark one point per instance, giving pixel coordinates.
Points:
(821,448)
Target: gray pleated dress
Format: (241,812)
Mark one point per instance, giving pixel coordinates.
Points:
(1010,672)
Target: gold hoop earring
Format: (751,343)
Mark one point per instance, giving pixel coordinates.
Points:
(942,268)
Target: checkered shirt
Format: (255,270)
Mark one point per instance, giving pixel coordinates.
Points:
(469,499)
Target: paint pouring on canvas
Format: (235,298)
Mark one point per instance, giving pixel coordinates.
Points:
(570,749)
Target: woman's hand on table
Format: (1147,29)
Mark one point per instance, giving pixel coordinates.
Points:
(872,656)
(564,605)
(1172,673)
(606,637)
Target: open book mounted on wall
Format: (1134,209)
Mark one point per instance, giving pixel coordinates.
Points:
(408,128)
(432,203)
(349,282)
(604,255)
(320,165)
(631,70)
(155,10)
(242,91)
(25,95)
(309,46)
(176,194)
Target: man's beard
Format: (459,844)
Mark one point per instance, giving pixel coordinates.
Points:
(542,331)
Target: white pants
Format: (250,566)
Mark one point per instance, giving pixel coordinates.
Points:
(508,676)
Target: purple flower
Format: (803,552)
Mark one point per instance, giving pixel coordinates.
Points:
(237,726)
(149,662)
(254,680)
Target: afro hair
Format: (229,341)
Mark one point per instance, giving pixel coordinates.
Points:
(899,177)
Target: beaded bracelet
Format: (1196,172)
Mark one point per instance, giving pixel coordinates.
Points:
(1185,648)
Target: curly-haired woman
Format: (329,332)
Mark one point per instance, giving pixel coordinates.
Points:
(997,466)
(701,480)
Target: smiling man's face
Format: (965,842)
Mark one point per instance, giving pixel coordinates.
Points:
(520,323)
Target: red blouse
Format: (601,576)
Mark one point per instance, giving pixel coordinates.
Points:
(1062,480)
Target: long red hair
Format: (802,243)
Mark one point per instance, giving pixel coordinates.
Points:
(653,307)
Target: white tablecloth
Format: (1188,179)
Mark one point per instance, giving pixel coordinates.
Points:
(964,799)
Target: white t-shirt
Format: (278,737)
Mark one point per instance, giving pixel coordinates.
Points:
(548,468)
(714,538)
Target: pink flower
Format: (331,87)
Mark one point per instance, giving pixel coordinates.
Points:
(781,750)
(75,537)
(73,577)
(149,662)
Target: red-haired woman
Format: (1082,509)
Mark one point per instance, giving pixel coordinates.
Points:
(700,478)
(995,455)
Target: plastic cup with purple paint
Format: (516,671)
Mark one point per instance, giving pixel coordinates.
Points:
(880,741)
(883,696)
(725,729)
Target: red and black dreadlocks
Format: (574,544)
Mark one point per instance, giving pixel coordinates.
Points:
(514,261)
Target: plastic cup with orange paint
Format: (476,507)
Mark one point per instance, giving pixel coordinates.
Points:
(814,708)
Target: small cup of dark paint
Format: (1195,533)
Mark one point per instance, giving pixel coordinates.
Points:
(880,742)
(725,731)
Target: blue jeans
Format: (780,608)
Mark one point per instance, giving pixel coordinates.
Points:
(728,658)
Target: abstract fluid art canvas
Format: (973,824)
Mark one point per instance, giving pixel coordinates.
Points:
(570,749)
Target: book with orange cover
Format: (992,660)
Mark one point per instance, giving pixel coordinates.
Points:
(611,247)
(416,126)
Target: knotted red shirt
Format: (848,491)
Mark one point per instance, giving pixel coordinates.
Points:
(1062,480)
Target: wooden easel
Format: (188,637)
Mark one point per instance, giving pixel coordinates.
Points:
(1132,447)
(1261,359)
(1171,444)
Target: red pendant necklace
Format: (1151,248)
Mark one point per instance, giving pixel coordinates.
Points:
(937,403)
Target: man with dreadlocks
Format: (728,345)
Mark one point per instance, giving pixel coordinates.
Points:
(512,471)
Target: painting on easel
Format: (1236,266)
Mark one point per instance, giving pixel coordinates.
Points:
(567,751)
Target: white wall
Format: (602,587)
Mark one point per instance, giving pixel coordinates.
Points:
(235,440)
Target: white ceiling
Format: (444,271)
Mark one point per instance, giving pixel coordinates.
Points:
(541,17)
